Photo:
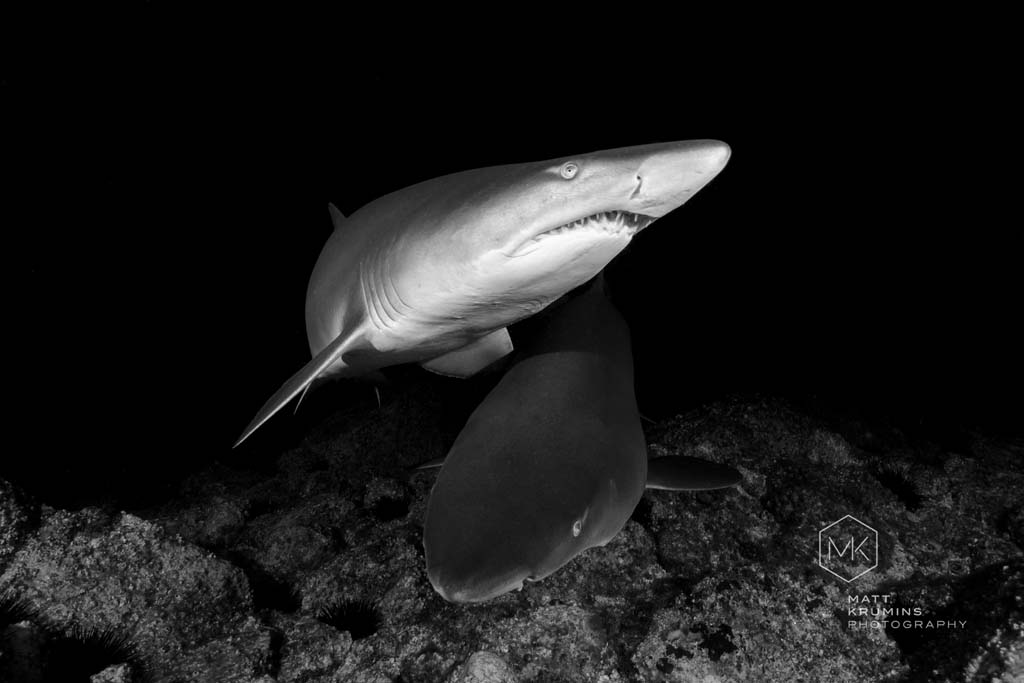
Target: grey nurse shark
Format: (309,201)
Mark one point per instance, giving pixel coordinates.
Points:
(434,273)
(552,462)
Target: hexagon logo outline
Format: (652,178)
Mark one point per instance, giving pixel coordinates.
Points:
(852,547)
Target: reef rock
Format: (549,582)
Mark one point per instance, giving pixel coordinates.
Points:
(315,572)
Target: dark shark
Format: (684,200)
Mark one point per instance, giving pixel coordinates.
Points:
(552,462)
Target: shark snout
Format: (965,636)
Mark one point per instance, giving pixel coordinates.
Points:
(697,156)
(677,171)
(715,154)
(461,589)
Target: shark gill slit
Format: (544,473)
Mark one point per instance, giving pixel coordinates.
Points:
(387,314)
(373,307)
(387,293)
(401,306)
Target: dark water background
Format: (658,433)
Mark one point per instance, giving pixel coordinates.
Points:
(853,256)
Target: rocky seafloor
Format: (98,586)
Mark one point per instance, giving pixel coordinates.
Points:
(314,571)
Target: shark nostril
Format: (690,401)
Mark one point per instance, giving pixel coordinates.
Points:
(639,184)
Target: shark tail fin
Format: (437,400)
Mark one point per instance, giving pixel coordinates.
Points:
(297,383)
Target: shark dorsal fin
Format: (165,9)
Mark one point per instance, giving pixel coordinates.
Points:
(337,217)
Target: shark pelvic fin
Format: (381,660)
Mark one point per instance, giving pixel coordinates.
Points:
(472,358)
(297,383)
(337,217)
(681,473)
(302,396)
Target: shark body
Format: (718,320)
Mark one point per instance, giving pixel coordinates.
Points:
(552,462)
(434,273)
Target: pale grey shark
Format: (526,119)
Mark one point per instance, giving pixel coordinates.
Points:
(552,462)
(434,273)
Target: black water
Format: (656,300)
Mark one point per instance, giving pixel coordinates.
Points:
(852,256)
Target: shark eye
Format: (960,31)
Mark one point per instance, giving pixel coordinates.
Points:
(569,170)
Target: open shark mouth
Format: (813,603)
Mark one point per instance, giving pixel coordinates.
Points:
(615,223)
(609,221)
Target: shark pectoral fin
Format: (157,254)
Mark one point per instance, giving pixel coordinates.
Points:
(297,383)
(681,473)
(337,217)
(472,358)
(430,464)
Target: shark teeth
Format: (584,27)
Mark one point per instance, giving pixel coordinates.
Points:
(614,222)
(611,223)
